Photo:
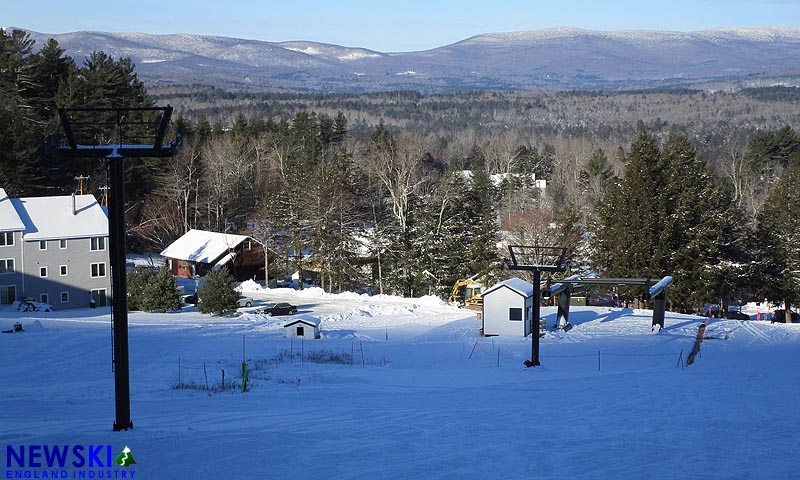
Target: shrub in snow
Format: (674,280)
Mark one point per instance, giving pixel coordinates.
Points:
(31,306)
(218,294)
(138,278)
(161,293)
(153,291)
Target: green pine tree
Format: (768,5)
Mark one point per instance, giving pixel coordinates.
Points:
(699,237)
(778,249)
(479,207)
(631,216)
(339,128)
(218,294)
(669,216)
(22,125)
(138,278)
(161,292)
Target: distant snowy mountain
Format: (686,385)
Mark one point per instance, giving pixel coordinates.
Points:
(330,52)
(552,59)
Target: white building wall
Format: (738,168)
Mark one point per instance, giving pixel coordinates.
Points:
(496,305)
(309,332)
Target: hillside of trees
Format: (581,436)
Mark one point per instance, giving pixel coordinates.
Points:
(32,88)
(711,119)
(398,192)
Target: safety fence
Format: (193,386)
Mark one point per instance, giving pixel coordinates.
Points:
(299,352)
(601,360)
(202,376)
(218,376)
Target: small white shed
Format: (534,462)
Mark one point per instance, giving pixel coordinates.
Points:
(302,326)
(508,308)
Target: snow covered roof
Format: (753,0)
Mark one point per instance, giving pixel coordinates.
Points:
(307,319)
(227,258)
(9,218)
(202,246)
(517,284)
(48,218)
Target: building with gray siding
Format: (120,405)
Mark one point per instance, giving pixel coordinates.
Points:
(54,250)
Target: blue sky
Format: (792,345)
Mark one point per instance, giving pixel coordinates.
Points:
(398,25)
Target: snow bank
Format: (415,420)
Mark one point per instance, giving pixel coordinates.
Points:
(250,286)
(151,260)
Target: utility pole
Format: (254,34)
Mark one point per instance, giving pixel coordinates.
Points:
(104,189)
(80,180)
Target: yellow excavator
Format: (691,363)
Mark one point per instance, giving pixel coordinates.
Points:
(467,292)
(471,296)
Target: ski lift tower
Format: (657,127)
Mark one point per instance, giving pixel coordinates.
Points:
(537,259)
(116,134)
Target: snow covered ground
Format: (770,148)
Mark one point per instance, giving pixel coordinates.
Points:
(408,390)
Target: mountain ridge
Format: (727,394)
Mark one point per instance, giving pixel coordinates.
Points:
(560,58)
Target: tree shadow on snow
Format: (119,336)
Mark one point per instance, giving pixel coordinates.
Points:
(306,307)
(348,335)
(686,323)
(577,317)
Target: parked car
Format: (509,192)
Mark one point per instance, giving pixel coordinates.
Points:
(780,317)
(282,308)
(242,301)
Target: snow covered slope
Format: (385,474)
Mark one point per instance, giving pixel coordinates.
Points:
(405,388)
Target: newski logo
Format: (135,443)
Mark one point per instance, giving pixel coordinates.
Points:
(51,461)
(50,456)
(125,458)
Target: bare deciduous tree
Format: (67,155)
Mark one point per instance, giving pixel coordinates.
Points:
(399,168)
(229,180)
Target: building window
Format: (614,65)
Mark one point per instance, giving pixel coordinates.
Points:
(62,270)
(42,244)
(99,297)
(42,271)
(300,332)
(6,239)
(62,244)
(515,314)
(64,297)
(98,243)
(98,269)
(8,294)
(44,298)
(7,265)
